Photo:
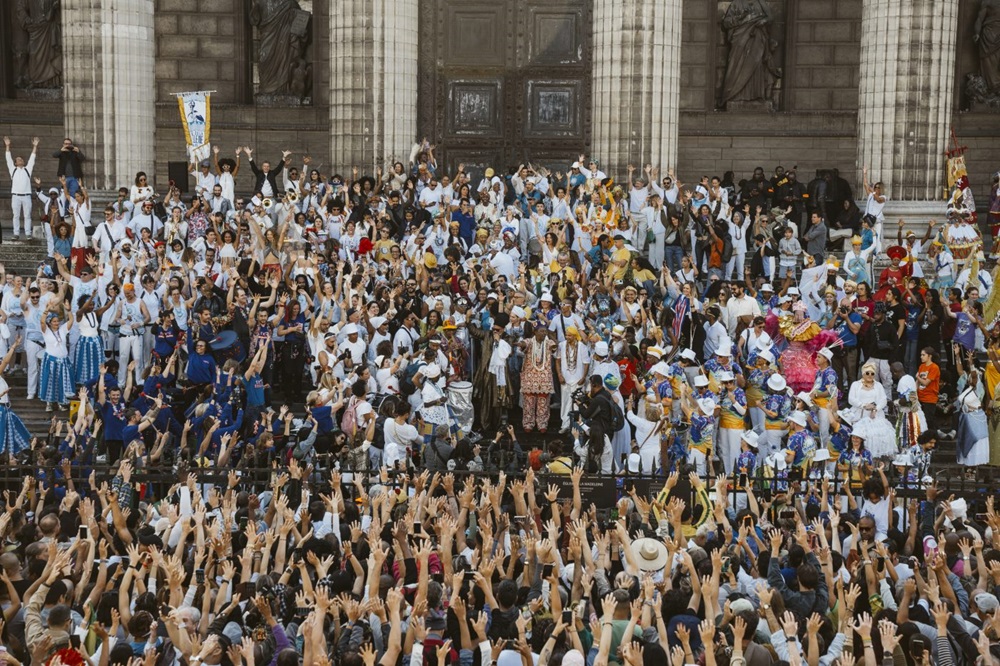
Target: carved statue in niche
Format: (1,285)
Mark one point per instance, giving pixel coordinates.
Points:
(40,58)
(284,34)
(985,86)
(751,72)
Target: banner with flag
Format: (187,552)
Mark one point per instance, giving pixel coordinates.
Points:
(197,120)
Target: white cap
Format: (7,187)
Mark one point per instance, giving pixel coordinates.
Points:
(767,287)
(776,383)
(653,350)
(546,297)
(689,355)
(351,329)
(492,295)
(793,291)
(518,311)
(576,165)
(826,353)
(797,417)
(660,368)
(751,438)
(701,380)
(601,348)
(377,322)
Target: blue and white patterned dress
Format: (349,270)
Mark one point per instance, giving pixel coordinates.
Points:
(14,437)
(56,384)
(89,350)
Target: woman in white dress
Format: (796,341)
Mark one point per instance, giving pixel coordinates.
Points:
(868,402)
(226,169)
(141,191)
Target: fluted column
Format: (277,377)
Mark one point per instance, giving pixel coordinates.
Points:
(905,105)
(109,91)
(373,81)
(636,82)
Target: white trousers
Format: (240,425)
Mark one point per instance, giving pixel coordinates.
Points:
(130,349)
(21,205)
(33,353)
(566,403)
(728,446)
(735,263)
(656,251)
(698,460)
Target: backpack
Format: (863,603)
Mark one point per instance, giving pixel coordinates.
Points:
(617,417)
(727,249)
(349,422)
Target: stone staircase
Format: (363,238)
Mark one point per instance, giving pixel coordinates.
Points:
(22,257)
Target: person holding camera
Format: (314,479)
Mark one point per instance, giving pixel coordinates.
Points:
(847,325)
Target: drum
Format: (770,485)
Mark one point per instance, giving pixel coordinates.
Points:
(227,346)
(460,401)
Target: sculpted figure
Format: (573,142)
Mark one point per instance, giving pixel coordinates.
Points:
(40,20)
(750,70)
(283,36)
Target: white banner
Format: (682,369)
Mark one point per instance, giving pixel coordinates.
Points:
(196,117)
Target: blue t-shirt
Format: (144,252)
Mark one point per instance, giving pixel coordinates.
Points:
(113,414)
(201,368)
(324,419)
(130,433)
(848,338)
(255,390)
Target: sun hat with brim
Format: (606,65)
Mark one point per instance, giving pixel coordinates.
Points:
(902,460)
(826,353)
(700,380)
(707,405)
(725,376)
(688,354)
(650,554)
(751,438)
(821,455)
(805,397)
(797,418)
(654,351)
(777,383)
(767,356)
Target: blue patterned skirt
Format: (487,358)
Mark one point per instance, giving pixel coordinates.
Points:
(14,437)
(88,359)
(56,383)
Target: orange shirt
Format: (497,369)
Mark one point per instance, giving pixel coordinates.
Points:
(932,373)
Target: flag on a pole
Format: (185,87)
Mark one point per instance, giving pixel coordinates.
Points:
(197,120)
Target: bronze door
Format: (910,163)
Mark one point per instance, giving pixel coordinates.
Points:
(505,82)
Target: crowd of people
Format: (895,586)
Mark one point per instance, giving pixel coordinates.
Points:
(298,417)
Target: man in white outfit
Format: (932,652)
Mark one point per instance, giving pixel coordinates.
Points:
(20,187)
(572,364)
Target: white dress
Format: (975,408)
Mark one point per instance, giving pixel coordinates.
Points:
(880,436)
(228,187)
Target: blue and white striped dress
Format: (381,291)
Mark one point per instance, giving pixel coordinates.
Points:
(89,350)
(56,383)
(14,437)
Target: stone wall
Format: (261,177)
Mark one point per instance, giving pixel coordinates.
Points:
(23,119)
(713,143)
(822,62)
(200,46)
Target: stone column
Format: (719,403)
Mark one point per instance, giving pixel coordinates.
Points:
(905,106)
(636,83)
(373,82)
(109,91)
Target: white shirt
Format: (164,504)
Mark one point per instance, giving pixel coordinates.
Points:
(714,334)
(574,374)
(738,307)
(205,182)
(20,177)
